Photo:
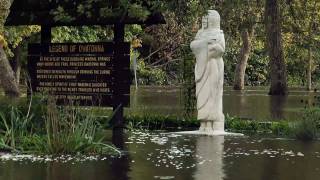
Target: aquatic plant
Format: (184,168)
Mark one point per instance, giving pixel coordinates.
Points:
(308,127)
(69,131)
(15,125)
(65,131)
(160,122)
(234,124)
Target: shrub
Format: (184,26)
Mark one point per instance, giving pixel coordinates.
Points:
(307,128)
(282,128)
(16,125)
(64,130)
(160,122)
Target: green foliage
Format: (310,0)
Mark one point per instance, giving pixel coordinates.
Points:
(257,70)
(107,9)
(157,122)
(16,35)
(188,88)
(300,29)
(148,75)
(59,14)
(282,128)
(234,124)
(64,130)
(24,107)
(104,12)
(132,32)
(15,127)
(68,131)
(81,34)
(137,11)
(308,127)
(4,7)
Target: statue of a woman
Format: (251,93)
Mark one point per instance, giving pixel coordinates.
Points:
(208,47)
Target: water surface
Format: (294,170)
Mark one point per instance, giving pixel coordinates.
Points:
(155,155)
(253,103)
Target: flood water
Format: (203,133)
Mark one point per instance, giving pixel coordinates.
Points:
(162,155)
(253,103)
(156,155)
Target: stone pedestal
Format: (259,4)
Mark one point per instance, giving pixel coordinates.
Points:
(210,133)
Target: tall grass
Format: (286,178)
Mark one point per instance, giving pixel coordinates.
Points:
(69,131)
(64,131)
(308,127)
(15,125)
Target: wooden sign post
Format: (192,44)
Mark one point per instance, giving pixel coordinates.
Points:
(118,120)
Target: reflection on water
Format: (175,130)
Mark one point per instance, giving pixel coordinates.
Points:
(209,151)
(277,105)
(252,103)
(120,165)
(166,156)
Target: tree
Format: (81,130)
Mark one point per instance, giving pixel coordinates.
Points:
(242,18)
(278,74)
(17,38)
(7,77)
(239,75)
(304,25)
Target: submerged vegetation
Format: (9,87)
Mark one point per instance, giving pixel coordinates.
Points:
(308,128)
(154,122)
(64,130)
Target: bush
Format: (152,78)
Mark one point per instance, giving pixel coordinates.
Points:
(307,128)
(282,128)
(25,107)
(64,130)
(16,125)
(160,122)
(240,125)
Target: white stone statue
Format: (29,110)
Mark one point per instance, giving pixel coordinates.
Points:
(208,47)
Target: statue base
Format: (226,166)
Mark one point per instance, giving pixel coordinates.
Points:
(211,128)
(209,133)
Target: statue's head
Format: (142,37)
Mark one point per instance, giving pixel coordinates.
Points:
(213,19)
(204,22)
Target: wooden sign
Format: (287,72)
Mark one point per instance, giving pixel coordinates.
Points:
(84,73)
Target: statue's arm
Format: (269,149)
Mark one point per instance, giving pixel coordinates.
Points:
(216,46)
(198,44)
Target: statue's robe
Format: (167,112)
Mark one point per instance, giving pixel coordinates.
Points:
(208,47)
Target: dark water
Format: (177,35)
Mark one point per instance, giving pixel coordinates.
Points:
(253,103)
(166,156)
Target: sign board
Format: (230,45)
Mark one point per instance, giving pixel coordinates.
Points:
(87,74)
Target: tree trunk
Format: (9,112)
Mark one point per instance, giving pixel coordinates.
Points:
(241,66)
(278,72)
(7,78)
(309,70)
(16,65)
(310,39)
